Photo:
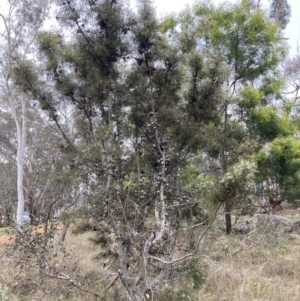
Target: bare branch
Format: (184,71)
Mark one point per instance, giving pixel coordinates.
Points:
(197,247)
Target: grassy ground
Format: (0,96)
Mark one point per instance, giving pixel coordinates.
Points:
(78,260)
(260,266)
(4,230)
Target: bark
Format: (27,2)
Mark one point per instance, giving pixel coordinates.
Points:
(64,231)
(21,133)
(21,141)
(224,169)
(227,202)
(7,216)
(228,217)
(35,204)
(31,207)
(50,210)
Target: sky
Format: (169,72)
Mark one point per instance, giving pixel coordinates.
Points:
(292,31)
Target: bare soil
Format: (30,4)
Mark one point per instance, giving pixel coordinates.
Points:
(7,239)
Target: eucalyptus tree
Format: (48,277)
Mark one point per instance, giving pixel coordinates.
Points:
(292,85)
(46,168)
(8,168)
(7,138)
(280,11)
(20,23)
(8,192)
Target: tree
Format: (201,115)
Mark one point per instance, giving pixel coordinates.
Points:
(8,168)
(279,162)
(8,192)
(146,99)
(46,169)
(280,11)
(250,50)
(291,89)
(19,18)
(121,79)
(279,127)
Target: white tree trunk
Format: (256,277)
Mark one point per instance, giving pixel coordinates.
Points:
(20,163)
(21,145)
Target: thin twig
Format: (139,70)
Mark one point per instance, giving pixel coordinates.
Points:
(63,276)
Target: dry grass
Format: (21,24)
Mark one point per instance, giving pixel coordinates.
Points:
(80,265)
(262,266)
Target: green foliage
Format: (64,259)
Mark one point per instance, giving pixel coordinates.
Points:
(195,273)
(247,39)
(240,175)
(24,75)
(205,87)
(65,216)
(191,177)
(51,45)
(82,227)
(272,86)
(250,97)
(169,23)
(193,277)
(4,230)
(235,185)
(281,160)
(267,122)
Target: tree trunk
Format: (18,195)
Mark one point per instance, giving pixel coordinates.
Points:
(64,231)
(20,123)
(224,169)
(228,217)
(31,207)
(21,132)
(7,215)
(32,214)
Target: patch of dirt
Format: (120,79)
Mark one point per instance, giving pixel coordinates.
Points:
(7,239)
